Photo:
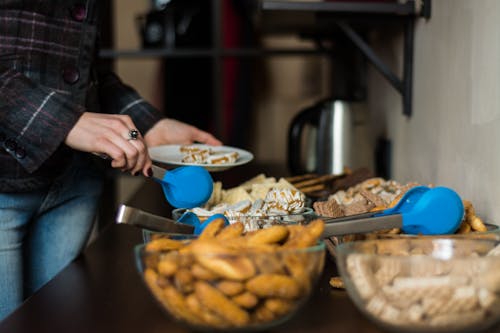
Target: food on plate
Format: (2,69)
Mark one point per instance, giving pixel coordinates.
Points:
(207,155)
(227,278)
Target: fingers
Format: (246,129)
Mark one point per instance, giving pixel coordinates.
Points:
(171,131)
(143,162)
(111,135)
(130,152)
(205,137)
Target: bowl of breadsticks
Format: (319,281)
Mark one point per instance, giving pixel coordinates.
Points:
(227,279)
(424,285)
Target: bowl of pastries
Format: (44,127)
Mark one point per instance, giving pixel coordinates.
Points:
(259,201)
(424,284)
(227,279)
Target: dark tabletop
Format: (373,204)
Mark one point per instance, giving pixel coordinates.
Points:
(101,291)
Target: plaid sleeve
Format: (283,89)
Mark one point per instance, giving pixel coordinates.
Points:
(118,98)
(35,120)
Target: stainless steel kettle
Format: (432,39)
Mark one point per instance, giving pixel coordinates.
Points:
(320,138)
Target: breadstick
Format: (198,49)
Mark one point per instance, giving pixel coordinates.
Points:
(246,300)
(222,260)
(274,285)
(278,306)
(294,179)
(315,181)
(167,267)
(212,229)
(183,280)
(263,314)
(164,244)
(202,273)
(220,304)
(230,288)
(477,224)
(202,312)
(312,188)
(231,231)
(273,234)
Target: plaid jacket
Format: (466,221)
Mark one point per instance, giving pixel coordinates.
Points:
(48,78)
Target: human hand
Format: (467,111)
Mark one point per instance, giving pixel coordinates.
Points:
(171,131)
(109,135)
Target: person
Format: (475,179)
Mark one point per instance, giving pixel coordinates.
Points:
(58,109)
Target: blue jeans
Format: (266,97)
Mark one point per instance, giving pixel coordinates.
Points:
(43,231)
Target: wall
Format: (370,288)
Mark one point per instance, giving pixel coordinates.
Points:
(284,86)
(452,139)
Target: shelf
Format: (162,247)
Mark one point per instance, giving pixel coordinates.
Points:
(343,8)
(201,53)
(315,20)
(343,15)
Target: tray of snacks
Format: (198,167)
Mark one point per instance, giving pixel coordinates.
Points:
(376,194)
(259,200)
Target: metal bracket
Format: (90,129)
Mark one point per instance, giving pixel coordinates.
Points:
(405,85)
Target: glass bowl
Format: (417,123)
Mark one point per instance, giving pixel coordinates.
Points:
(230,290)
(493,232)
(250,223)
(424,285)
(257,222)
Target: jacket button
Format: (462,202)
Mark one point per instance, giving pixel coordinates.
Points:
(71,75)
(20,153)
(78,12)
(10,145)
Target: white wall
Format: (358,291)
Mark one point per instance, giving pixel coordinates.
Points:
(453,136)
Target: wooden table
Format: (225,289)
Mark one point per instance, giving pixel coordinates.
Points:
(101,291)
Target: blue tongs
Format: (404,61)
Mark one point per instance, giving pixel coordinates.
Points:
(421,211)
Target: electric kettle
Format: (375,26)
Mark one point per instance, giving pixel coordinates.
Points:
(320,138)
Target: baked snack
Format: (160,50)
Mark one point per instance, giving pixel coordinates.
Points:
(229,279)
(206,155)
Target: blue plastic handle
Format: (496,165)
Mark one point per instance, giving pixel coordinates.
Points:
(429,211)
(192,219)
(441,210)
(187,187)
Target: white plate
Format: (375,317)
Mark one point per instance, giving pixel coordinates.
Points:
(170,156)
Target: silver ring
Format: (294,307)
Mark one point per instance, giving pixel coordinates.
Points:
(133,134)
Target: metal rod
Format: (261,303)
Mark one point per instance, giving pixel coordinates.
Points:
(408,68)
(362,225)
(368,52)
(407,8)
(142,219)
(198,53)
(220,122)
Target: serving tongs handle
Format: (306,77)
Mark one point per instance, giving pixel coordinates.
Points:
(361,223)
(142,219)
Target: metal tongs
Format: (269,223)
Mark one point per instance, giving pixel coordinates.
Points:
(188,223)
(142,219)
